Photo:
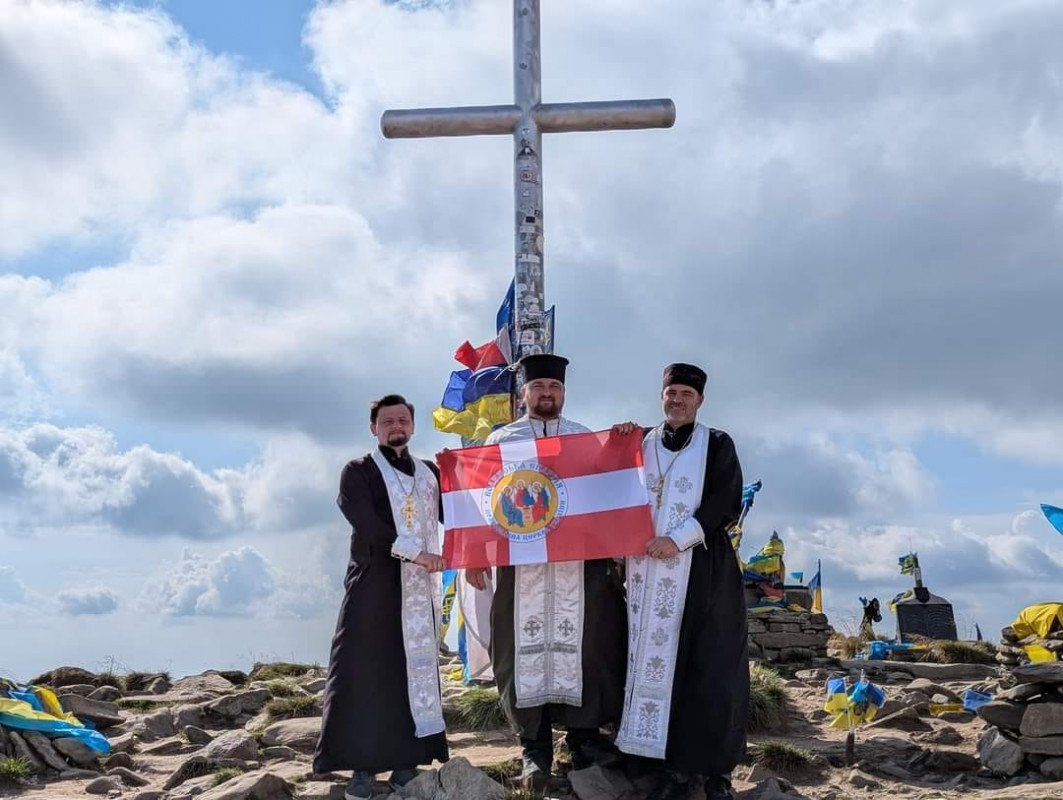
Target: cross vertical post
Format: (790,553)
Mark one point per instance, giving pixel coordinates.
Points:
(526,120)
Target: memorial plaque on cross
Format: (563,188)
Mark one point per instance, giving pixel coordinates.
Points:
(526,120)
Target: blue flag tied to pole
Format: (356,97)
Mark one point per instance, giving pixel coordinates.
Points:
(1053,515)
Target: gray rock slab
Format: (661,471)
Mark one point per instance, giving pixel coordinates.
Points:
(999,753)
(43,745)
(253,786)
(128,777)
(83,689)
(320,790)
(209,682)
(299,734)
(103,786)
(232,706)
(1046,672)
(107,694)
(187,714)
(1024,691)
(1052,768)
(904,720)
(933,672)
(23,750)
(197,735)
(232,744)
(1042,719)
(596,783)
(76,751)
(1046,745)
(119,760)
(100,713)
(1002,714)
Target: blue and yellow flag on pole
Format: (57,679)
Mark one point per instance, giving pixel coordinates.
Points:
(475,403)
(908,563)
(859,704)
(815,588)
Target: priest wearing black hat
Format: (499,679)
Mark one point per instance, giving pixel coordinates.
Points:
(687,692)
(557,630)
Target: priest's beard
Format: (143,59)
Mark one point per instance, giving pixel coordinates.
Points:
(546,408)
(397,439)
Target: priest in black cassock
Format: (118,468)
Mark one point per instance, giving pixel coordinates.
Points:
(557,630)
(687,692)
(383,711)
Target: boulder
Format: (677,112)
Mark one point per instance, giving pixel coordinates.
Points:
(107,694)
(159,723)
(314,685)
(905,720)
(65,676)
(1000,754)
(167,747)
(1046,745)
(1045,672)
(78,775)
(929,688)
(300,734)
(128,777)
(193,787)
(76,751)
(193,767)
(933,672)
(152,794)
(460,779)
(321,790)
(861,780)
(280,751)
(126,743)
(198,688)
(83,689)
(253,786)
(1024,691)
(1052,768)
(119,760)
(43,745)
(596,783)
(100,713)
(232,744)
(197,735)
(102,786)
(1042,719)
(160,685)
(185,715)
(232,706)
(1002,714)
(23,750)
(945,735)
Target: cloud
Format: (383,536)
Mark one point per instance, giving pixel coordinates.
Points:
(239,582)
(12,590)
(94,601)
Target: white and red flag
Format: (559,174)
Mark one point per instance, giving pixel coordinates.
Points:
(563,498)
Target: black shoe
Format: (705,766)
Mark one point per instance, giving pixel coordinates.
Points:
(533,776)
(670,788)
(718,787)
(359,787)
(401,777)
(595,751)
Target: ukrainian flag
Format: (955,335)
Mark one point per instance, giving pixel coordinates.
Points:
(475,403)
(908,564)
(815,588)
(861,703)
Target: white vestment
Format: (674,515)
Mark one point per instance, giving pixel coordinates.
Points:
(421,591)
(657,591)
(547,603)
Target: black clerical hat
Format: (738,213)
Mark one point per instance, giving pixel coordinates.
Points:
(686,374)
(543,365)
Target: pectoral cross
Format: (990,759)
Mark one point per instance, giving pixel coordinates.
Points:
(657,487)
(409,512)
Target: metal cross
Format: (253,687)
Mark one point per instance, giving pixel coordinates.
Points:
(526,120)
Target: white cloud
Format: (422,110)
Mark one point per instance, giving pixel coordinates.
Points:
(12,590)
(94,601)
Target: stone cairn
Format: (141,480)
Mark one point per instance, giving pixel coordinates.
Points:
(1026,724)
(1010,651)
(789,636)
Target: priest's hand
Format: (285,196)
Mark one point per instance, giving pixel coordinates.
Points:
(661,547)
(624,428)
(430,561)
(477,576)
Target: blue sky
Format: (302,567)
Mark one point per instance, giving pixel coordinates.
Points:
(211,261)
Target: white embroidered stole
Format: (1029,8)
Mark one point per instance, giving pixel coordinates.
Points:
(548,621)
(656,596)
(421,591)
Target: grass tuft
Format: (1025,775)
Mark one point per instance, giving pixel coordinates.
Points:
(13,770)
(225,774)
(281,688)
(767,699)
(108,679)
(501,771)
(945,652)
(143,704)
(279,670)
(291,707)
(480,710)
(781,757)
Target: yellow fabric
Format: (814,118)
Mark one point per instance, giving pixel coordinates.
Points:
(946,708)
(765,566)
(476,420)
(817,600)
(841,706)
(1038,619)
(23,710)
(1037,654)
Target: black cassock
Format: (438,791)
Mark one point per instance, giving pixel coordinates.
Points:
(367,725)
(710,697)
(604,652)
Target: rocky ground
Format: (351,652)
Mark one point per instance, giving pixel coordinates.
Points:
(222,736)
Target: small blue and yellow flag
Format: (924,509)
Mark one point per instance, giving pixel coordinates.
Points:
(859,704)
(815,588)
(908,563)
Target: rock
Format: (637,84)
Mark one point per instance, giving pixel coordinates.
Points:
(279,751)
(43,745)
(107,694)
(193,787)
(160,685)
(196,735)
(1042,719)
(61,677)
(321,790)
(1048,745)
(153,794)
(774,789)
(314,685)
(100,713)
(128,777)
(126,743)
(186,714)
(231,707)
(934,672)
(861,780)
(119,760)
(76,751)
(948,761)
(160,723)
(929,688)
(1023,691)
(193,767)
(167,747)
(1002,714)
(1045,672)
(253,786)
(23,750)
(1000,754)
(102,786)
(300,734)
(460,779)
(1052,768)
(945,735)
(83,689)
(904,720)
(596,783)
(782,641)
(209,682)
(893,771)
(78,775)
(811,675)
(232,744)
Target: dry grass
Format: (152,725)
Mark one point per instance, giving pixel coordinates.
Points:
(13,770)
(946,652)
(225,774)
(290,707)
(767,699)
(280,670)
(503,771)
(283,689)
(479,709)
(782,758)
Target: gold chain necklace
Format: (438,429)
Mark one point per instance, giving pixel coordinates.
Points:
(658,487)
(409,509)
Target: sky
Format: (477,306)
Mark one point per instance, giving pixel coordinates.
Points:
(210,262)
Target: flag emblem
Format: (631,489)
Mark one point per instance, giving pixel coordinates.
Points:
(524,501)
